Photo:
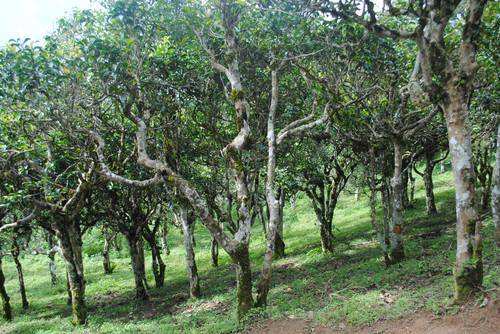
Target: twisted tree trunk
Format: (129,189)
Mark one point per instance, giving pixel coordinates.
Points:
(157,262)
(243,280)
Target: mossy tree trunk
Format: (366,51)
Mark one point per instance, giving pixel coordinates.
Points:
(243,280)
(70,237)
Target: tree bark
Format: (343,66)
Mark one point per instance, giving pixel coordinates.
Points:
(69,234)
(214,251)
(106,262)
(469,266)
(164,239)
(15,256)
(7,309)
(52,263)
(138,267)
(187,221)
(396,251)
(243,280)
(495,190)
(430,202)
(156,261)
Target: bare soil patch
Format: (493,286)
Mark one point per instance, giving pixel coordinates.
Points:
(484,320)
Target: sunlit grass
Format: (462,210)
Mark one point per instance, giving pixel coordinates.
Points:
(351,286)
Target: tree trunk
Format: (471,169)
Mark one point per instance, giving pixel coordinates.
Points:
(380,230)
(7,310)
(327,244)
(138,267)
(156,261)
(214,250)
(405,180)
(70,237)
(469,266)
(106,262)
(243,281)
(187,222)
(430,202)
(22,288)
(495,191)
(164,239)
(52,261)
(397,250)
(68,290)
(279,244)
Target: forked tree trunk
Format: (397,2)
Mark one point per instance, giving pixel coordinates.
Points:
(22,288)
(469,265)
(138,267)
(69,234)
(396,251)
(52,261)
(7,310)
(187,221)
(495,191)
(156,261)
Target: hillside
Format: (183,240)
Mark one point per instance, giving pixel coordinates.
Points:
(349,289)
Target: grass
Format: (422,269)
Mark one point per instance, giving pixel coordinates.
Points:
(350,287)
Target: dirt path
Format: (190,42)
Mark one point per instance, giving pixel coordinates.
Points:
(470,321)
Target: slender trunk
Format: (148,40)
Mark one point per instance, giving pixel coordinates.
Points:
(380,230)
(70,237)
(243,281)
(430,202)
(468,266)
(106,262)
(214,251)
(386,208)
(187,222)
(412,185)
(397,250)
(495,191)
(405,180)
(52,261)
(7,310)
(279,251)
(164,239)
(138,267)
(68,290)
(22,288)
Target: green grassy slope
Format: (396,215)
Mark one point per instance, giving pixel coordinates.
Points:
(351,287)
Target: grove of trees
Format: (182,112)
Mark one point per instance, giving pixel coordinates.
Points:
(146,116)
